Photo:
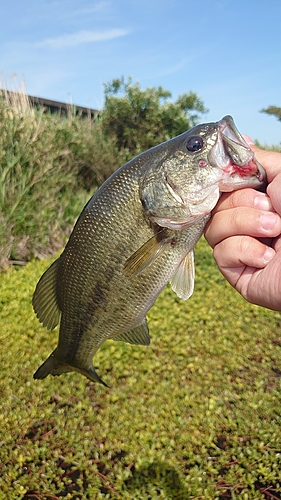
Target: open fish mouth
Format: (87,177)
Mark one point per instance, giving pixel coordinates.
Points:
(235,158)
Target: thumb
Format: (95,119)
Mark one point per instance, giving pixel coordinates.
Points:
(249,141)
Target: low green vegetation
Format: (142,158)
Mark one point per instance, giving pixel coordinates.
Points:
(196,415)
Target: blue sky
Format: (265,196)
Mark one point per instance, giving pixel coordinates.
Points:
(227,51)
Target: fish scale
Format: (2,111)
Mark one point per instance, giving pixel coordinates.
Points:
(135,235)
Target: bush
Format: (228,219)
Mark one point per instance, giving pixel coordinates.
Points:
(140,119)
(49,166)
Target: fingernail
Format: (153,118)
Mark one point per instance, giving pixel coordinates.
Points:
(268,220)
(262,202)
(248,140)
(268,254)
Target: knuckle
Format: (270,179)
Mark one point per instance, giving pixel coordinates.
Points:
(238,220)
(243,197)
(245,245)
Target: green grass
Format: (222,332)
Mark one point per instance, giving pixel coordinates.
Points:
(194,416)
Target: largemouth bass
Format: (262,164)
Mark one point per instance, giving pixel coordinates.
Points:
(136,234)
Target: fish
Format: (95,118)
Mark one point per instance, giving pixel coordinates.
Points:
(135,235)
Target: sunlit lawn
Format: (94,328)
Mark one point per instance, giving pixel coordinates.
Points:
(195,415)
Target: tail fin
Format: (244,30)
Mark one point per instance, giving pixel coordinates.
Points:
(91,374)
(54,367)
(51,365)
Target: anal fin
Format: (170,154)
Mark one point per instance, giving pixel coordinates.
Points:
(138,335)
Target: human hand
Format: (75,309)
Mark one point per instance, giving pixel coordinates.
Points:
(245,233)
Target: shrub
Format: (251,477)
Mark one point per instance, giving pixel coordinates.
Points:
(140,119)
(49,166)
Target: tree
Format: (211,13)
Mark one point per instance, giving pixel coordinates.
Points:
(140,119)
(273,110)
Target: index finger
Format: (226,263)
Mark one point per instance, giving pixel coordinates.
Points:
(243,198)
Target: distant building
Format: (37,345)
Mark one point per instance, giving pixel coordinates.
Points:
(58,107)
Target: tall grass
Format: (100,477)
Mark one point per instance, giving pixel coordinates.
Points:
(49,166)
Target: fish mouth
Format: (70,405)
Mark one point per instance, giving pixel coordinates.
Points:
(235,158)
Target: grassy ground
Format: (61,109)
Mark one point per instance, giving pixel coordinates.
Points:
(194,416)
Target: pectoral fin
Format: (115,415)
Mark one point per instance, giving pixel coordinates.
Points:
(183,280)
(138,335)
(146,255)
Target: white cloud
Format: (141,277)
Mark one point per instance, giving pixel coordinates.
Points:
(64,41)
(100,7)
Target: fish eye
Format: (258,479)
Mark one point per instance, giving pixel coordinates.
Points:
(194,143)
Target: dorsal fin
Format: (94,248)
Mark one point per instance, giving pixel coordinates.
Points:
(44,300)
